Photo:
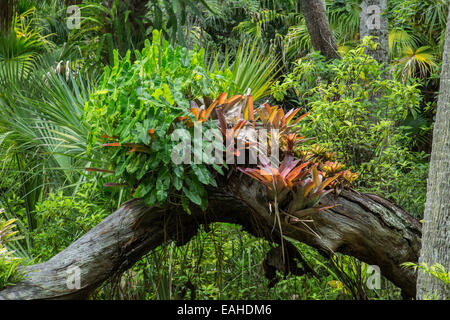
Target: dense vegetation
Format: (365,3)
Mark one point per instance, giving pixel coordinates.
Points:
(86,116)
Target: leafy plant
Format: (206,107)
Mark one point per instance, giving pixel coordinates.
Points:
(20,48)
(105,28)
(253,67)
(436,270)
(62,219)
(139,106)
(364,131)
(10,272)
(418,62)
(275,118)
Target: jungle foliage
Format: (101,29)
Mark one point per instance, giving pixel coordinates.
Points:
(86,116)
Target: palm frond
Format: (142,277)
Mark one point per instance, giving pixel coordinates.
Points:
(252,68)
(417,62)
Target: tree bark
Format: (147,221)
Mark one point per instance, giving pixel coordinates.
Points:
(436,222)
(372,22)
(7,8)
(365,226)
(319,28)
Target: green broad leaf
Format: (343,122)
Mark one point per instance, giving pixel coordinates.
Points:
(213,182)
(142,190)
(179,171)
(121,167)
(218,168)
(156,146)
(154,163)
(202,173)
(142,132)
(162,186)
(177,182)
(192,195)
(133,166)
(143,168)
(150,200)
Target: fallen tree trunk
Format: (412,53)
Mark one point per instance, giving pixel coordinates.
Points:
(364,226)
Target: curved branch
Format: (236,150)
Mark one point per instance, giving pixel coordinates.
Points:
(367,227)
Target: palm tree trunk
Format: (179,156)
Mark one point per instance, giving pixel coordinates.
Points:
(436,236)
(319,28)
(374,23)
(6,13)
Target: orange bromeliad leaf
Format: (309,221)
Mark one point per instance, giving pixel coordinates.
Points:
(300,118)
(275,117)
(328,181)
(255,173)
(195,112)
(287,165)
(222,122)
(202,117)
(210,109)
(316,178)
(222,98)
(232,101)
(249,111)
(283,122)
(291,114)
(113,144)
(278,116)
(272,114)
(309,186)
(295,173)
(237,128)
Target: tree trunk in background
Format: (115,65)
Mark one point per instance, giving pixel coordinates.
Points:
(436,222)
(6,13)
(318,27)
(373,23)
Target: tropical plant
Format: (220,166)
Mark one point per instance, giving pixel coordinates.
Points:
(153,94)
(62,219)
(344,114)
(436,270)
(176,18)
(253,67)
(104,29)
(20,47)
(9,265)
(41,133)
(418,62)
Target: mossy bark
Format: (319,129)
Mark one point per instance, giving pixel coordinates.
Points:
(436,222)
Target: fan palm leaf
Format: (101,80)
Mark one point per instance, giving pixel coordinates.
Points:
(418,61)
